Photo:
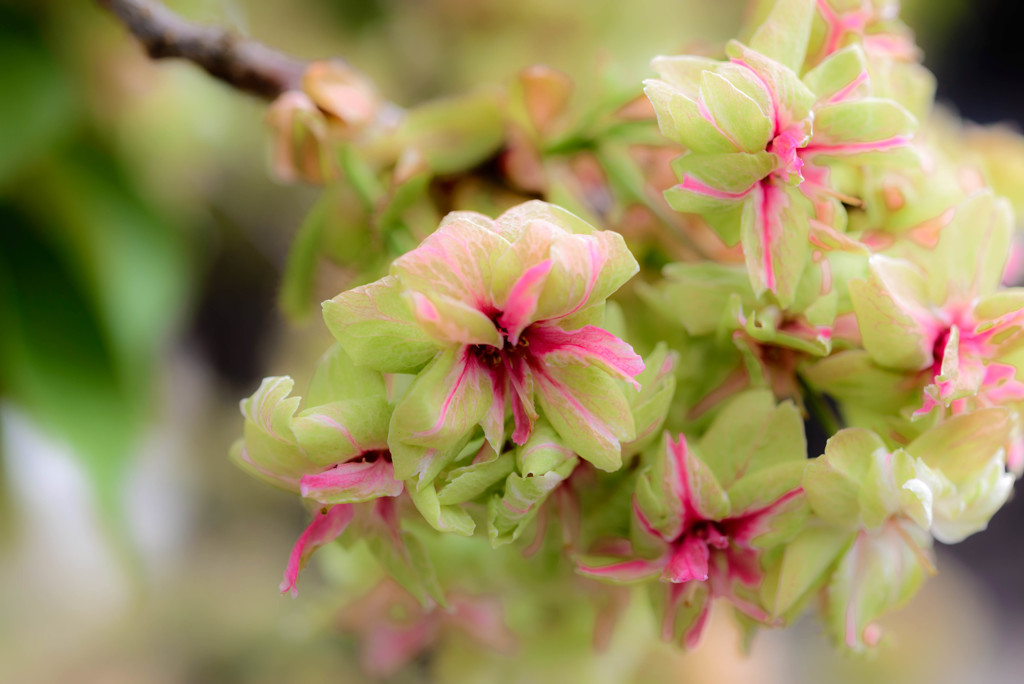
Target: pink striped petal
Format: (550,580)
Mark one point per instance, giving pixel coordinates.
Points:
(350,482)
(679,475)
(521,305)
(524,411)
(588,346)
(325,528)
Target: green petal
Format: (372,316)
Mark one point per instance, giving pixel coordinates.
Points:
(841,70)
(436,417)
(588,410)
(752,433)
(785,32)
(893,314)
(376,328)
(737,115)
(680,120)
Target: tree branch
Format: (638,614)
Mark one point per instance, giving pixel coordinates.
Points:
(244,64)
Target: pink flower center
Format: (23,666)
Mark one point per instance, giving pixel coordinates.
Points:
(494,357)
(708,532)
(785,146)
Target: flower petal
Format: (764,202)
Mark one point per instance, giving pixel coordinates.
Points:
(326,527)
(587,409)
(375,327)
(351,482)
(689,561)
(587,346)
(456,261)
(436,416)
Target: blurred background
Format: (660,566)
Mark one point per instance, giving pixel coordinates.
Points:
(141,245)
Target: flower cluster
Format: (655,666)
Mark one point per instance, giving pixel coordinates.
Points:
(836,262)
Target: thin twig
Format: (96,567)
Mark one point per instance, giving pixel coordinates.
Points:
(242,63)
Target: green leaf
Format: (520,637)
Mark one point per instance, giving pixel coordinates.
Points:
(296,296)
(38,108)
(457,133)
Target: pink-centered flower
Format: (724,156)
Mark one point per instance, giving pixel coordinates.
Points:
(334,453)
(498,317)
(943,314)
(761,143)
(703,550)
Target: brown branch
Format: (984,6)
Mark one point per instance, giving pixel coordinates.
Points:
(244,64)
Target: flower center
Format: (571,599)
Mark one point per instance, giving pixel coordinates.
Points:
(492,357)
(708,532)
(372,456)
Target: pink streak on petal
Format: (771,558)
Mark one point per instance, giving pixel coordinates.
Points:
(424,308)
(291,482)
(363,480)
(689,561)
(493,421)
(742,528)
(705,113)
(522,300)
(776,109)
(588,345)
(327,421)
(786,146)
(742,566)
(524,412)
(769,203)
(645,524)
(465,370)
(858,147)
(693,635)
(556,390)
(626,571)
(679,480)
(668,622)
(326,527)
(848,91)
(691,184)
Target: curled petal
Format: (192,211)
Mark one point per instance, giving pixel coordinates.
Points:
(350,482)
(326,527)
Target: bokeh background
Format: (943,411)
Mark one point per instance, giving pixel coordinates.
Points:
(142,241)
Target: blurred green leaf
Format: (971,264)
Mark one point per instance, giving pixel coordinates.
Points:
(37,107)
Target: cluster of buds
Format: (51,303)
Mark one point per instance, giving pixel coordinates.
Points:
(855,285)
